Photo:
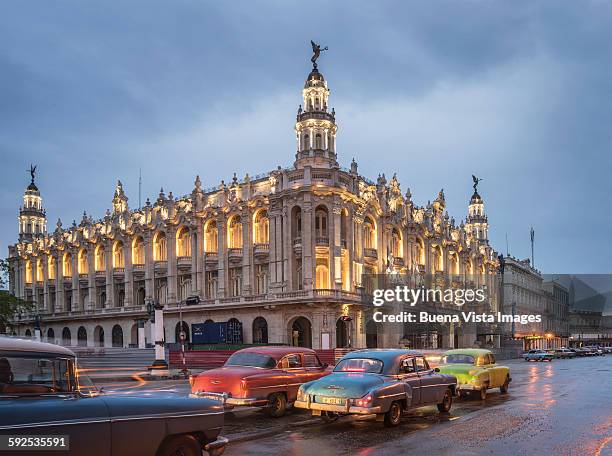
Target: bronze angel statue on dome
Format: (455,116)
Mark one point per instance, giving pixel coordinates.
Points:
(316,53)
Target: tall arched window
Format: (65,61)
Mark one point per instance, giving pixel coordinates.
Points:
(211,237)
(234,231)
(438,259)
(160,252)
(296,222)
(100,258)
(138,254)
(261,276)
(118,258)
(396,243)
(235,281)
(51,267)
(83,262)
(28,271)
(321,221)
(318,141)
(261,227)
(322,276)
(454,263)
(40,273)
(369,233)
(420,252)
(183,242)
(67,265)
(306,142)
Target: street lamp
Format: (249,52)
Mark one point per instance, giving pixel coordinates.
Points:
(156,313)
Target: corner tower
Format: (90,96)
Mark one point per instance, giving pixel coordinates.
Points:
(32,217)
(315,126)
(477,223)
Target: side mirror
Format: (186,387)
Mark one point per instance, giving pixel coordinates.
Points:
(436,369)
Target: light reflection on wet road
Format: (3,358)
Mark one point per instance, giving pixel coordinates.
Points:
(559,408)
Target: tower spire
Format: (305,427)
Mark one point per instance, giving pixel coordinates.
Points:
(32,217)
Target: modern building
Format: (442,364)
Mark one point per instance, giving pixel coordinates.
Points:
(283,254)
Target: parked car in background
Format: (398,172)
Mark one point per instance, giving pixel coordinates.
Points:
(538,355)
(476,371)
(260,376)
(595,351)
(579,351)
(42,394)
(562,353)
(383,382)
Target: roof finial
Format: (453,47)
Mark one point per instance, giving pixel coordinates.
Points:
(316,53)
(33,171)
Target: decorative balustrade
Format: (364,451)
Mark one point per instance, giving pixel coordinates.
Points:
(322,240)
(370,253)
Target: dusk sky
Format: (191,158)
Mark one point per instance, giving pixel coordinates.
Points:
(517,93)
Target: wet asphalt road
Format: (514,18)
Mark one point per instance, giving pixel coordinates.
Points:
(559,408)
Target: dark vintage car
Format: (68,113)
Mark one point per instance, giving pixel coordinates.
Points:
(42,394)
(260,376)
(378,382)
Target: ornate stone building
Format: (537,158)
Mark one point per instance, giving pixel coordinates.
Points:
(283,253)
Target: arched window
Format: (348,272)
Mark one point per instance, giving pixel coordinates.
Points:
(185,287)
(369,233)
(82,337)
(396,243)
(261,228)
(318,141)
(100,258)
(420,252)
(161,292)
(40,273)
(117,335)
(235,281)
(160,252)
(438,259)
(67,265)
(261,276)
(322,280)
(50,335)
(454,263)
(83,262)
(260,331)
(118,259)
(211,237)
(99,336)
(234,231)
(28,271)
(138,254)
(183,242)
(321,221)
(306,142)
(51,267)
(66,337)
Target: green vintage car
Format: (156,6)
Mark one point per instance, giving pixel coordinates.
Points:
(476,371)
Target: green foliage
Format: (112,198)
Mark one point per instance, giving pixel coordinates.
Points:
(4,270)
(10,305)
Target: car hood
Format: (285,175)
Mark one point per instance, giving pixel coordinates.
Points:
(344,384)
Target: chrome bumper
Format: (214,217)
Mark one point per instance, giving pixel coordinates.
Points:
(221,442)
(230,401)
(337,408)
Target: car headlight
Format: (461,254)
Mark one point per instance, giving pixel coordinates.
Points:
(301,395)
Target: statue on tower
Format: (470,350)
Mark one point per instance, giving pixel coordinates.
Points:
(33,172)
(316,53)
(476,180)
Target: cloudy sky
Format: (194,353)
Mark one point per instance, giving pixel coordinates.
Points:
(517,93)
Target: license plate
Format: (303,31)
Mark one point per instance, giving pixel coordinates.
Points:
(214,397)
(331,400)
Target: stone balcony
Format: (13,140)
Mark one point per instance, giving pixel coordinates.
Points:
(261,250)
(161,266)
(100,273)
(234,254)
(322,241)
(211,258)
(370,253)
(183,262)
(118,272)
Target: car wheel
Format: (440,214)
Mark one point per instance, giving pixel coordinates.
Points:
(329,417)
(394,415)
(447,402)
(216,451)
(277,404)
(181,445)
(504,388)
(483,393)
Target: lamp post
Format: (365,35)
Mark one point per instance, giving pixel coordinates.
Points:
(37,334)
(156,311)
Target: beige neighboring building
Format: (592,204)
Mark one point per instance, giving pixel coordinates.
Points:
(282,253)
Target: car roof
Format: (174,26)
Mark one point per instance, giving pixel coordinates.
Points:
(468,351)
(383,354)
(32,346)
(277,351)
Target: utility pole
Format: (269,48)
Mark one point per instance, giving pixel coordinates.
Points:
(532,235)
(139,188)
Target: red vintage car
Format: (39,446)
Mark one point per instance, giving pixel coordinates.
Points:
(260,376)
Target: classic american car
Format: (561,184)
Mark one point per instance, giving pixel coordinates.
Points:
(266,377)
(42,394)
(476,371)
(381,382)
(538,355)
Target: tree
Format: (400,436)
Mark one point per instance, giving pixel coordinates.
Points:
(10,305)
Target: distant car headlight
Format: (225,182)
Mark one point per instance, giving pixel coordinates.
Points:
(301,395)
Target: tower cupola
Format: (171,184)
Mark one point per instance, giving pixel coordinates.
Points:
(32,217)
(476,223)
(315,126)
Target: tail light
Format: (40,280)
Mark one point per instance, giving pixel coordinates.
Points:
(191,380)
(364,401)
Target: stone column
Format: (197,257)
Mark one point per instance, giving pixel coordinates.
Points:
(45,260)
(200,289)
(160,354)
(287,246)
(308,244)
(149,268)
(76,295)
(91,279)
(335,247)
(59,286)
(274,249)
(195,255)
(222,255)
(247,252)
(172,266)
(128,274)
(110,285)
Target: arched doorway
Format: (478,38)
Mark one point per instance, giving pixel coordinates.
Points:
(177,330)
(66,337)
(234,331)
(117,336)
(341,333)
(300,332)
(99,336)
(50,335)
(134,335)
(371,334)
(82,337)
(28,333)
(260,331)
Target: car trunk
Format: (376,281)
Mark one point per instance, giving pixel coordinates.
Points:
(223,380)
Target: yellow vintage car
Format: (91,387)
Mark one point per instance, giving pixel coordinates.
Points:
(476,371)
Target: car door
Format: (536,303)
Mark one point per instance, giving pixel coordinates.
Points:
(430,382)
(494,372)
(411,380)
(313,367)
(293,366)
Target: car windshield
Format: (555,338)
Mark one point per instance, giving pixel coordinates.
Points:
(457,359)
(367,365)
(251,360)
(36,374)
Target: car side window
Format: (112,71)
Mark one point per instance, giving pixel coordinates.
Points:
(407,366)
(291,361)
(311,360)
(421,364)
(491,358)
